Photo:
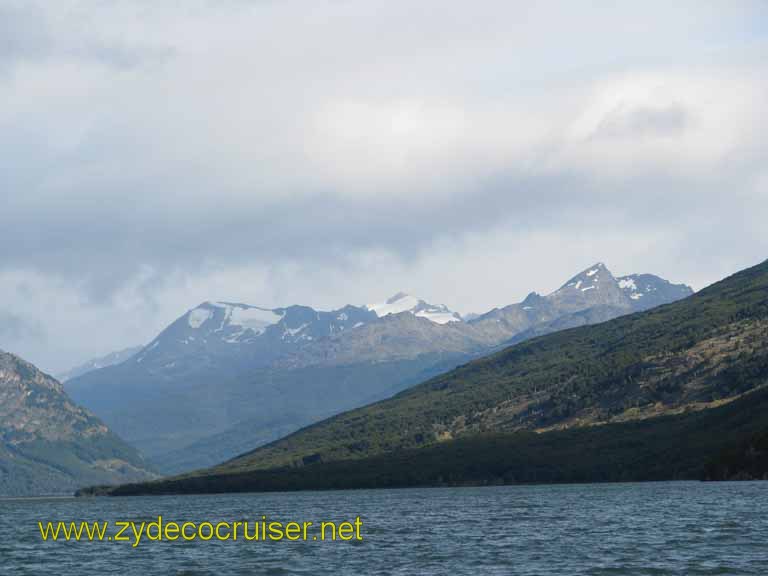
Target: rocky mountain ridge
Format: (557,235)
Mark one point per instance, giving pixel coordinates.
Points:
(224,367)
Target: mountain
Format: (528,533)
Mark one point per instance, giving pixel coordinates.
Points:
(226,377)
(107,360)
(49,445)
(692,355)
(593,295)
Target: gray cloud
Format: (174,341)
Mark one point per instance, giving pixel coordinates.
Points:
(103,245)
(296,152)
(21,35)
(14,328)
(642,122)
(28,35)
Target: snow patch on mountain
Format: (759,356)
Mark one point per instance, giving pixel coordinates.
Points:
(630,286)
(627,283)
(198,317)
(439,317)
(293,331)
(253,317)
(402,302)
(234,321)
(588,279)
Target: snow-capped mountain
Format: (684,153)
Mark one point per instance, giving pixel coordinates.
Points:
(260,336)
(228,327)
(225,367)
(593,295)
(255,334)
(594,286)
(402,302)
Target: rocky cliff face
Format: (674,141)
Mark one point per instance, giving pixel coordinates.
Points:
(50,445)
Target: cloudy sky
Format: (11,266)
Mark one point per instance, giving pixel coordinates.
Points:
(157,154)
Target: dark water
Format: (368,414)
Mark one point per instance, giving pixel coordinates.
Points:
(634,529)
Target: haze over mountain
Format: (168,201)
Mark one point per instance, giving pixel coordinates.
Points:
(226,377)
(652,395)
(102,362)
(49,445)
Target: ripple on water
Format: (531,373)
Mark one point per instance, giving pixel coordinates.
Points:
(601,530)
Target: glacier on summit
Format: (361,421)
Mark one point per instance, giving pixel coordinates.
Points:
(402,302)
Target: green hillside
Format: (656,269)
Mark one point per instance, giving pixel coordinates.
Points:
(679,447)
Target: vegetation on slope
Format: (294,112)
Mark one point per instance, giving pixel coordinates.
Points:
(746,460)
(677,447)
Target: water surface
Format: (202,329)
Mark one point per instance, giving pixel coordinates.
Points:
(685,528)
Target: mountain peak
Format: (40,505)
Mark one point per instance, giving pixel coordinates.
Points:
(590,278)
(402,302)
(595,269)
